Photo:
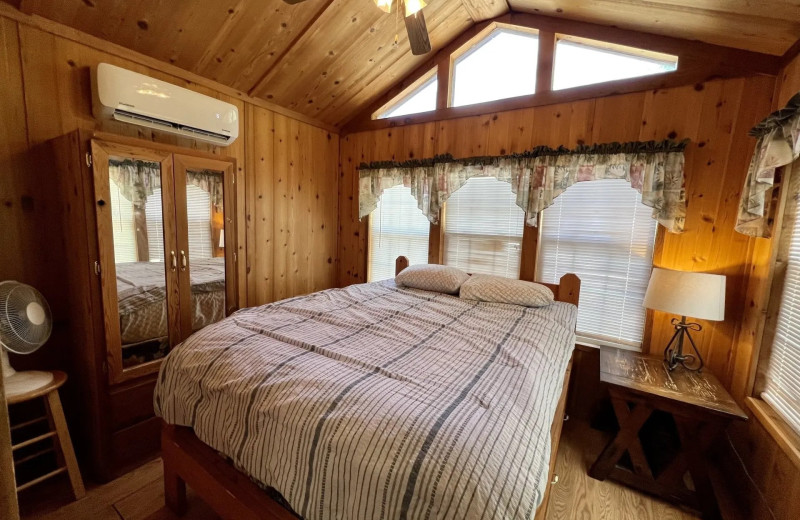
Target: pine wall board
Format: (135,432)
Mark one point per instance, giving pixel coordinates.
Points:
(715,116)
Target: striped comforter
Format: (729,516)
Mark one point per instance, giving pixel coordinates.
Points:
(375,401)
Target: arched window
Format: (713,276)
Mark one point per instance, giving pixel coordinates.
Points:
(601,231)
(396,228)
(483,228)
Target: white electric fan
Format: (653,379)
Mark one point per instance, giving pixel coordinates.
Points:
(25,325)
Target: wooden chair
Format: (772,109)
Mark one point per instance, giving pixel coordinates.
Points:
(58,432)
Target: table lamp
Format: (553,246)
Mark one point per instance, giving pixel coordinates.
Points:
(697,295)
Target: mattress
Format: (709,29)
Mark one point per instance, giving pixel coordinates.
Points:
(141,295)
(375,401)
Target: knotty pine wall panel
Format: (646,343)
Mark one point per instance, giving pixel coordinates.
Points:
(715,116)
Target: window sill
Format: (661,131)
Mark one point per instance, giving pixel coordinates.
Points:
(784,435)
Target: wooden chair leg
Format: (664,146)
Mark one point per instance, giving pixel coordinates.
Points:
(65,443)
(174,490)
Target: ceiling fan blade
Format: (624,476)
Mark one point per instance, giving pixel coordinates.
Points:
(418,34)
(293,2)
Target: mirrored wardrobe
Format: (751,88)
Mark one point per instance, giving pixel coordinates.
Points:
(158,228)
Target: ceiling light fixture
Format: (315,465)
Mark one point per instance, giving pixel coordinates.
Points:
(414,18)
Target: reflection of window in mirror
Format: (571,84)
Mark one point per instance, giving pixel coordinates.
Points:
(122,222)
(198,213)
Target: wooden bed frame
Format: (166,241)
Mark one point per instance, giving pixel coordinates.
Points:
(231,493)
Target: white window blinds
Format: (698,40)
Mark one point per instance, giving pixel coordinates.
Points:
(122,220)
(396,228)
(198,209)
(483,228)
(155,226)
(782,376)
(602,232)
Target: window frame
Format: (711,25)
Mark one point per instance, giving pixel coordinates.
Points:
(614,48)
(474,44)
(418,84)
(785,436)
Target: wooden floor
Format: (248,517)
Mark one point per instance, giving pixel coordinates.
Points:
(139,495)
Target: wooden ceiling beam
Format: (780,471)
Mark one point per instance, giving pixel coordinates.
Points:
(481,10)
(697,62)
(763,26)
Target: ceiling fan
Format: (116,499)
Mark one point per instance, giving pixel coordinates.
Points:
(414,19)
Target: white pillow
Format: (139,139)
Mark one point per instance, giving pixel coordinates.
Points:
(432,277)
(497,289)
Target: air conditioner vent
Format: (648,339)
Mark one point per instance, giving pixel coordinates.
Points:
(134,98)
(128,117)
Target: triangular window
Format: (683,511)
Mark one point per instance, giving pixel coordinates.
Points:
(501,65)
(418,98)
(585,62)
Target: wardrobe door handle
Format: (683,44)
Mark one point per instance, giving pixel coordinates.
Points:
(183,260)
(174,261)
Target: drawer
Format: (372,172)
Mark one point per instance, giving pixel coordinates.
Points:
(136,444)
(132,404)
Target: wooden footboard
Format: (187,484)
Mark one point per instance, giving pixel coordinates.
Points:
(233,496)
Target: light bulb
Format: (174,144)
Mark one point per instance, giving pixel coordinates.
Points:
(412,6)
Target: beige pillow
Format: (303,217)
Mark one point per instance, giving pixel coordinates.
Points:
(487,288)
(432,277)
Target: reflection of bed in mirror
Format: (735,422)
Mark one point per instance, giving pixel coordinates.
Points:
(143,308)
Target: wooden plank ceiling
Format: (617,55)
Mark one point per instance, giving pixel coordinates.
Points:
(329,59)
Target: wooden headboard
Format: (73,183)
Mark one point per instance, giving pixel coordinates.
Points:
(568,288)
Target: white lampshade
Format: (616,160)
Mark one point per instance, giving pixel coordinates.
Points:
(695,295)
(221,238)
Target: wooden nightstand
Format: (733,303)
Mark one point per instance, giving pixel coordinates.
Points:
(698,404)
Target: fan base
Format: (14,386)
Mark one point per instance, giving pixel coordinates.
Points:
(25,382)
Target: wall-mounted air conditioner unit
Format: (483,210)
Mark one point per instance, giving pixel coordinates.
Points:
(134,98)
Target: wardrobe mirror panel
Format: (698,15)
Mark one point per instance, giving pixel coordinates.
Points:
(137,219)
(205,222)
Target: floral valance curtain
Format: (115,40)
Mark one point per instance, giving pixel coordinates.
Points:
(209,181)
(538,176)
(778,145)
(138,179)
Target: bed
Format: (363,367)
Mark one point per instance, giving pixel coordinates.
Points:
(372,401)
(142,303)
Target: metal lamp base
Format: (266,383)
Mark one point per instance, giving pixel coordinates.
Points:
(673,354)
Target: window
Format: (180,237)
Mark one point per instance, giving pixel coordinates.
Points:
(198,208)
(396,228)
(781,388)
(501,66)
(155,229)
(483,228)
(420,99)
(124,226)
(601,231)
(584,62)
